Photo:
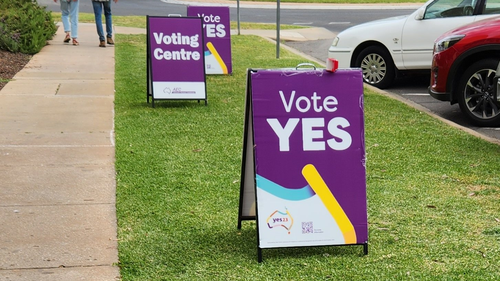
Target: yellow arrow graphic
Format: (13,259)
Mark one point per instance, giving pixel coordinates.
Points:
(214,52)
(319,186)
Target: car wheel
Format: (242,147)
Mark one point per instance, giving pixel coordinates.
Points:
(377,66)
(477,95)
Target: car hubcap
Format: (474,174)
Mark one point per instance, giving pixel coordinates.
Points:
(480,95)
(374,68)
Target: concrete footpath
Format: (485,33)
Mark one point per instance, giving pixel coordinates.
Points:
(57,175)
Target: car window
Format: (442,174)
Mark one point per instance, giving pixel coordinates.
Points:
(492,7)
(450,8)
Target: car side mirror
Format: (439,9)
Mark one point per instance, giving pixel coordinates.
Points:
(420,14)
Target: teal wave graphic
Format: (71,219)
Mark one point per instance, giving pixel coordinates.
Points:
(283,192)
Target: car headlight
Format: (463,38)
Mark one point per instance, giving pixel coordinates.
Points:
(335,42)
(447,42)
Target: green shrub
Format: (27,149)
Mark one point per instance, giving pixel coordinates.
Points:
(8,40)
(24,26)
(10,4)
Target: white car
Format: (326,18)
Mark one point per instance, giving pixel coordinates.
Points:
(382,48)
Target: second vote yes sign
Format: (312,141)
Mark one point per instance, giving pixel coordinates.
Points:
(217,37)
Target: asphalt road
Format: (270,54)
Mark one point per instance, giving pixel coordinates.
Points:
(413,88)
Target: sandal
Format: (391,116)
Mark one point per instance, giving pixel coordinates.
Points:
(75,43)
(67,38)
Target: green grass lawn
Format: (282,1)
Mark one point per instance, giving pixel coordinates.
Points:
(433,191)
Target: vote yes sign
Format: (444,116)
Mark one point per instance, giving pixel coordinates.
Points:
(217,37)
(310,174)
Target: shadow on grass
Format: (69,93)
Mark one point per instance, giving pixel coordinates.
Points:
(242,244)
(175,103)
(318,251)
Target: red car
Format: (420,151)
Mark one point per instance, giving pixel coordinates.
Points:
(464,65)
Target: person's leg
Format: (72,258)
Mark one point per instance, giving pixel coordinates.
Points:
(98,19)
(65,15)
(73,15)
(109,21)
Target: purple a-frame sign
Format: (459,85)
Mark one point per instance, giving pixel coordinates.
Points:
(217,37)
(304,147)
(175,60)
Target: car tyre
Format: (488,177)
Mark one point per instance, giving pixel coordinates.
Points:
(377,66)
(477,94)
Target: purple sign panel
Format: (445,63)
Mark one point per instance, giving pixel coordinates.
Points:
(310,170)
(217,37)
(176,58)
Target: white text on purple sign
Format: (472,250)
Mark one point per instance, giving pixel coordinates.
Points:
(212,26)
(176,39)
(312,127)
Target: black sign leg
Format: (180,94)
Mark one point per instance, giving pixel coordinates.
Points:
(365,249)
(259,255)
